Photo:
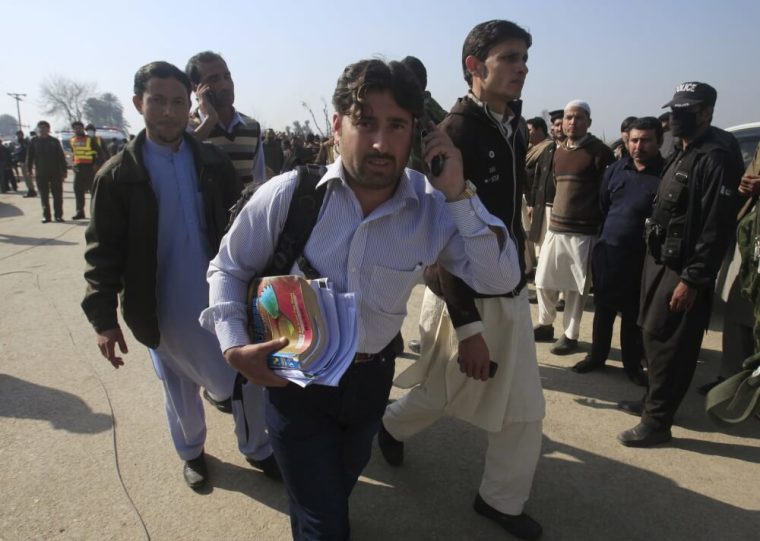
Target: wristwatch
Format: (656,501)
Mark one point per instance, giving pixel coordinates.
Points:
(468,192)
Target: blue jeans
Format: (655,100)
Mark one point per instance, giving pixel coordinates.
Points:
(322,439)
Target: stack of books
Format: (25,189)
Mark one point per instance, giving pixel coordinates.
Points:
(319,323)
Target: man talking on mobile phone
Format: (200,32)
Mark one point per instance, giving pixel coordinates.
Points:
(463,335)
(217,121)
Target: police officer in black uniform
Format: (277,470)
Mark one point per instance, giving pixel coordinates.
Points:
(691,226)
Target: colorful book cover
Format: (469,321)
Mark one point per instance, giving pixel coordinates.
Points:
(281,306)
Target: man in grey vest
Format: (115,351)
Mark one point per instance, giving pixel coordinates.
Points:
(216,120)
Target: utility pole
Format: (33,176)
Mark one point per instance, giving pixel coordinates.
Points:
(19,98)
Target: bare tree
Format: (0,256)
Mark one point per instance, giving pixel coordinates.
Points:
(306,106)
(65,98)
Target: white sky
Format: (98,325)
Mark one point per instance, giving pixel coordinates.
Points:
(624,58)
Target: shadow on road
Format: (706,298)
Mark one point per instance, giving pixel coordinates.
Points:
(576,494)
(32,241)
(9,211)
(65,411)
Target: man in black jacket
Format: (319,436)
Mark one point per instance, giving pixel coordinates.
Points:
(692,223)
(45,159)
(487,128)
(159,210)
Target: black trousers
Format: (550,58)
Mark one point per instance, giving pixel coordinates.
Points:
(630,335)
(322,439)
(83,177)
(672,361)
(45,186)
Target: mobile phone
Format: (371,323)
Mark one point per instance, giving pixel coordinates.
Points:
(436,164)
(492,368)
(211,98)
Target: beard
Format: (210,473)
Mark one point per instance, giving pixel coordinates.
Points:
(377,171)
(165,133)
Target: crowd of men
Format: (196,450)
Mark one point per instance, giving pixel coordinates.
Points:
(645,222)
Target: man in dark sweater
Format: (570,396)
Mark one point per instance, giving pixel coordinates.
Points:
(628,189)
(46,160)
(563,265)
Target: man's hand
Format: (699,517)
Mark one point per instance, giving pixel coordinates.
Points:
(474,357)
(251,361)
(750,185)
(203,92)
(683,298)
(451,180)
(107,341)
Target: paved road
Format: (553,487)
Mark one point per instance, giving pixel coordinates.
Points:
(85,452)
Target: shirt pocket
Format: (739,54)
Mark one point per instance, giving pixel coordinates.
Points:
(390,288)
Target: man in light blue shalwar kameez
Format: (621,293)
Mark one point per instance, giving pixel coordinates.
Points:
(158,212)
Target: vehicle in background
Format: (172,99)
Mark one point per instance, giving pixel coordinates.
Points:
(104,132)
(748,136)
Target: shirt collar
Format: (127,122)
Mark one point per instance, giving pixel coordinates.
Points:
(155,149)
(505,120)
(652,168)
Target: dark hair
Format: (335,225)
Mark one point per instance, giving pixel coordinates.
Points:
(77,123)
(160,70)
(626,124)
(193,71)
(416,66)
(42,123)
(539,123)
(485,36)
(365,76)
(664,116)
(648,123)
(90,127)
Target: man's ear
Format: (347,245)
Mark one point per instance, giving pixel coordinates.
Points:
(475,66)
(137,101)
(336,121)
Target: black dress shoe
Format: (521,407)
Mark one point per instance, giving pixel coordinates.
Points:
(532,297)
(59,220)
(560,306)
(644,435)
(543,333)
(225,406)
(521,526)
(633,407)
(30,194)
(78,216)
(414,346)
(268,466)
(391,449)
(564,346)
(45,220)
(587,365)
(195,472)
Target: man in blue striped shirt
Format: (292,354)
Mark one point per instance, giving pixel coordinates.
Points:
(379,226)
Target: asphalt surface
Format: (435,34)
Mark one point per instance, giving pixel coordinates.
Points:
(85,452)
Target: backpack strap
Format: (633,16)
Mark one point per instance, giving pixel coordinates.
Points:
(742,389)
(302,217)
